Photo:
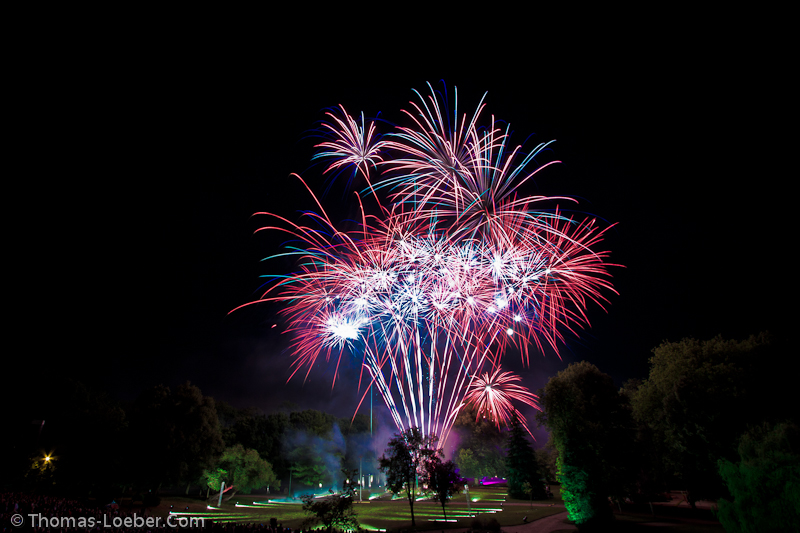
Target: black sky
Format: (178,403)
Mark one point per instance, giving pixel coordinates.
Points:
(162,156)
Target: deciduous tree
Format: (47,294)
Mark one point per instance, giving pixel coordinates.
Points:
(241,469)
(180,432)
(700,396)
(403,461)
(592,429)
(765,483)
(442,480)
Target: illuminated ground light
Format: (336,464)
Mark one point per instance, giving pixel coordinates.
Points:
(217,517)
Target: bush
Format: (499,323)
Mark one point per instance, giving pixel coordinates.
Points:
(764,484)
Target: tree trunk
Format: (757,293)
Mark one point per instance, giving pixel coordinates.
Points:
(188,485)
(411,496)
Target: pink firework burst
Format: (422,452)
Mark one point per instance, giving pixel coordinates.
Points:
(491,394)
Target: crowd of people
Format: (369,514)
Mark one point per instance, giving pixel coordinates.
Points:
(51,514)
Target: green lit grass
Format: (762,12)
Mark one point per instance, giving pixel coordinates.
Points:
(377,514)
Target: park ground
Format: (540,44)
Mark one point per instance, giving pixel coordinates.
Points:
(385,513)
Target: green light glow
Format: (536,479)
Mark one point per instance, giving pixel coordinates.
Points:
(574,492)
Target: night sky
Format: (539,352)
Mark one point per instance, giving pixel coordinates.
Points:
(163,157)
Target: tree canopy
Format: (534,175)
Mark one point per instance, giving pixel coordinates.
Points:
(591,427)
(404,458)
(481,446)
(442,480)
(180,432)
(765,482)
(241,469)
(699,398)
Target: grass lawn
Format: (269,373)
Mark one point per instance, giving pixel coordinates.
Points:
(380,513)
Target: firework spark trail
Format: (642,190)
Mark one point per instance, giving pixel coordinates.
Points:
(458,268)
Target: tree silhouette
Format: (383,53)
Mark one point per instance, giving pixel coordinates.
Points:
(442,480)
(521,465)
(404,459)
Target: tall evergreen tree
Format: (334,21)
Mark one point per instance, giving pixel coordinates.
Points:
(521,465)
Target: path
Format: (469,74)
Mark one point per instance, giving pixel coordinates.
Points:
(554,522)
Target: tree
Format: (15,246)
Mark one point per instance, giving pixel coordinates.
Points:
(521,465)
(700,396)
(765,484)
(336,510)
(179,431)
(546,459)
(313,421)
(592,429)
(403,460)
(467,463)
(241,469)
(442,480)
(314,447)
(485,440)
(309,473)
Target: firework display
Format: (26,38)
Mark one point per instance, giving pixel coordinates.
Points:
(454,266)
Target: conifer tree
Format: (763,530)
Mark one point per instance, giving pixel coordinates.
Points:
(521,465)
